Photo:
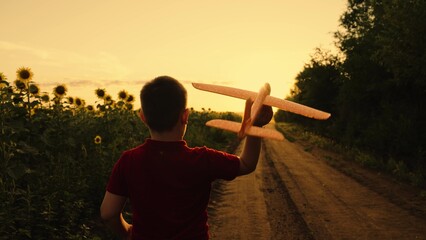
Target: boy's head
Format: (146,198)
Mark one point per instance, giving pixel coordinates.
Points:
(163,100)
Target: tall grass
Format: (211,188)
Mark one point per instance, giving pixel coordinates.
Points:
(56,154)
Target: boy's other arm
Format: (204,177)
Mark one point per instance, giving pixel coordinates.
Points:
(111,215)
(250,154)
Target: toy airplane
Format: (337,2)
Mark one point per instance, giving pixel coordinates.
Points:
(254,102)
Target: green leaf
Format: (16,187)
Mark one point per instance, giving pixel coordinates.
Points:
(25,232)
(25,148)
(16,171)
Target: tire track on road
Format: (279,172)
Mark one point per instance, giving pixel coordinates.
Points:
(335,206)
(288,222)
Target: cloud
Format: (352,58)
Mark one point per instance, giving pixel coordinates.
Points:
(96,83)
(223,83)
(62,63)
(10,47)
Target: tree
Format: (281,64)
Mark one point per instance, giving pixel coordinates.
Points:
(402,51)
(376,92)
(381,101)
(317,86)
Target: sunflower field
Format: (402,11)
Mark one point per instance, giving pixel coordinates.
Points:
(56,154)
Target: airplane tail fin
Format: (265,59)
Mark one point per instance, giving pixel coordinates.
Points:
(252,131)
(247,121)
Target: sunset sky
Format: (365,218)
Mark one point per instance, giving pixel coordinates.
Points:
(115,45)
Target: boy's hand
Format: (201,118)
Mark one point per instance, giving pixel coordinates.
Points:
(128,233)
(264,116)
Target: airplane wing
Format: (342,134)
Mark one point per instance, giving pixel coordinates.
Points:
(252,131)
(269,100)
(296,108)
(228,91)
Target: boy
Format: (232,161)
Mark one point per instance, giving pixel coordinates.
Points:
(168,183)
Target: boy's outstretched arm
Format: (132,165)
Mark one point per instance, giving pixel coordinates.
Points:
(111,215)
(250,154)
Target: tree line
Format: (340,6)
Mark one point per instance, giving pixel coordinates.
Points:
(375,85)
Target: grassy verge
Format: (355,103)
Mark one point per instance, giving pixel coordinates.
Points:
(392,167)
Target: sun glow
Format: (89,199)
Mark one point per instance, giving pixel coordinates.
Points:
(89,45)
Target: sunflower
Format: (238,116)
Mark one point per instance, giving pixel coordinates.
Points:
(3,83)
(17,100)
(100,93)
(98,139)
(2,77)
(129,106)
(108,99)
(34,89)
(24,74)
(90,108)
(78,102)
(45,98)
(60,90)
(19,84)
(123,95)
(130,98)
(70,100)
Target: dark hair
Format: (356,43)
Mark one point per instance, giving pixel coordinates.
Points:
(163,100)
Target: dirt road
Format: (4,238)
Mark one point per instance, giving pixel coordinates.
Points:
(295,194)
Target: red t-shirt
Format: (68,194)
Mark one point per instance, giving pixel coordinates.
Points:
(168,185)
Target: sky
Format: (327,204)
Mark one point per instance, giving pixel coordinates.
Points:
(116,45)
